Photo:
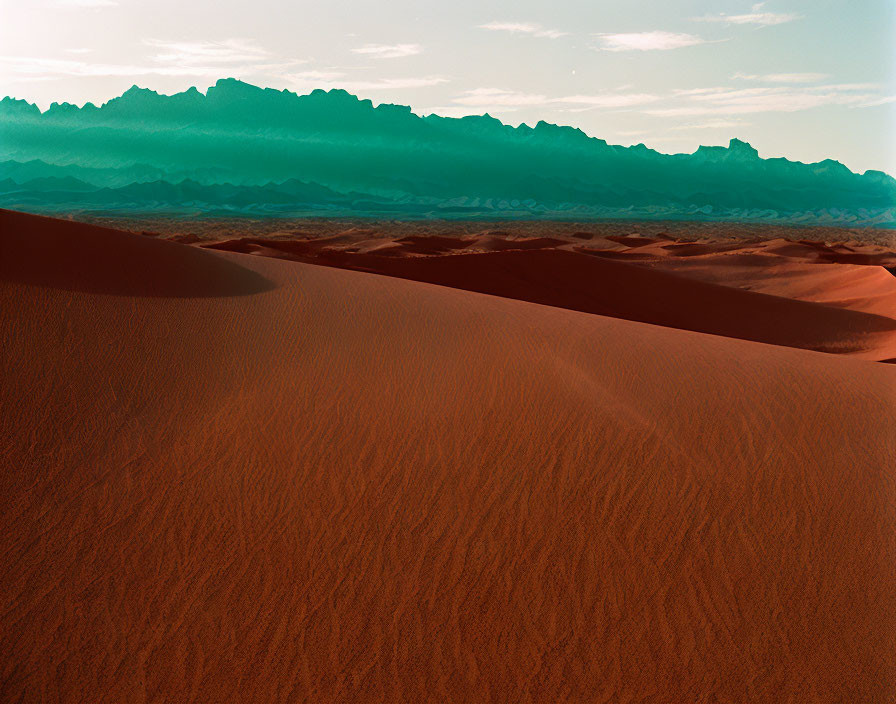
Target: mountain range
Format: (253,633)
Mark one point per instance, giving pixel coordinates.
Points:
(242,149)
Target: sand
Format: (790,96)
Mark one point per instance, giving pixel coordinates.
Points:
(834,298)
(246,479)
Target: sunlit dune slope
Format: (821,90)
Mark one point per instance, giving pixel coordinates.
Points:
(312,484)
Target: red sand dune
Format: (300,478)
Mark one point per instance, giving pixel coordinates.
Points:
(347,487)
(720,288)
(78,257)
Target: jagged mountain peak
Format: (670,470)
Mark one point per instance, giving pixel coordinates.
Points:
(247,135)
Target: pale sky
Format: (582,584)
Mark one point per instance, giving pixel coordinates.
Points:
(805,79)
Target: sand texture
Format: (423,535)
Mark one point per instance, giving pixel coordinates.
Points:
(231,478)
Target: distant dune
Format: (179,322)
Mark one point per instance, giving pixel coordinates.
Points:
(833,297)
(232,478)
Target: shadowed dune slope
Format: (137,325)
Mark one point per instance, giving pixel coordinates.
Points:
(78,257)
(619,289)
(355,488)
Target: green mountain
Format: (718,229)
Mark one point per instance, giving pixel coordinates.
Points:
(241,148)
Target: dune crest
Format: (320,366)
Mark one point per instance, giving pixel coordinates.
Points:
(73,256)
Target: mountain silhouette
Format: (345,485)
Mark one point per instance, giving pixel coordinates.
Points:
(237,144)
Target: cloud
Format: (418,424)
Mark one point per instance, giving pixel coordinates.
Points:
(756,16)
(850,86)
(40,69)
(36,68)
(395,83)
(84,3)
(647,41)
(330,79)
(322,76)
(530,28)
(709,125)
(389,51)
(499,99)
(728,101)
(696,91)
(610,100)
(884,100)
(782,77)
(228,51)
(210,60)
(231,57)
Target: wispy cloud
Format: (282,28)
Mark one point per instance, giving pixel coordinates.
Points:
(499,97)
(232,57)
(647,41)
(530,28)
(396,83)
(503,100)
(388,51)
(874,102)
(709,125)
(782,77)
(84,3)
(850,86)
(736,101)
(329,79)
(324,76)
(228,51)
(38,68)
(199,59)
(209,60)
(697,91)
(756,16)
(609,100)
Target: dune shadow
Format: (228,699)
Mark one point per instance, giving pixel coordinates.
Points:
(75,256)
(618,289)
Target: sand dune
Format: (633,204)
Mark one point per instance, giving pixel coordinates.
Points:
(347,487)
(743,290)
(78,257)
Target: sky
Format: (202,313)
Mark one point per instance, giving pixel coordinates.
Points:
(804,79)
